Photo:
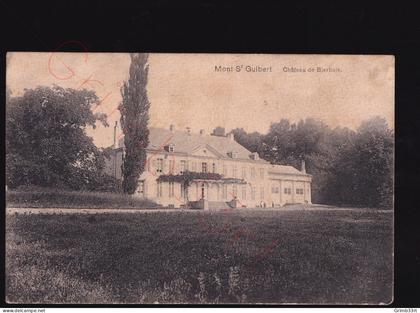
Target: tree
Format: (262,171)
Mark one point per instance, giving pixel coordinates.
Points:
(134,110)
(218,131)
(373,154)
(347,167)
(46,143)
(251,141)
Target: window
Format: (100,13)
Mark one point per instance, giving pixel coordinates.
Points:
(261,193)
(252,172)
(171,189)
(169,148)
(224,170)
(171,166)
(274,189)
(183,166)
(140,190)
(253,193)
(159,165)
(234,191)
(288,191)
(299,191)
(194,166)
(261,173)
(244,192)
(234,170)
(204,167)
(224,191)
(159,189)
(214,167)
(182,192)
(243,173)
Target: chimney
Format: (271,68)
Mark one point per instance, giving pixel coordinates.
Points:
(303,167)
(172,128)
(189,130)
(231,136)
(202,132)
(115,144)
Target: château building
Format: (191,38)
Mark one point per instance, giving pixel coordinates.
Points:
(221,173)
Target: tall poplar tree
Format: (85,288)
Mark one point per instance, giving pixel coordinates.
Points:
(134,110)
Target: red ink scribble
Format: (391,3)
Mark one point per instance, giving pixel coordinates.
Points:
(236,198)
(89,81)
(70,70)
(102,100)
(112,112)
(242,233)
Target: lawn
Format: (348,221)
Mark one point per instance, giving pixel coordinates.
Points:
(199,257)
(53,198)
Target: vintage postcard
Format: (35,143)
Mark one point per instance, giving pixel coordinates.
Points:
(152,178)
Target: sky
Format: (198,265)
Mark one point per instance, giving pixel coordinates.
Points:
(187,90)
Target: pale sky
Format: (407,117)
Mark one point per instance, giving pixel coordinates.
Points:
(185,90)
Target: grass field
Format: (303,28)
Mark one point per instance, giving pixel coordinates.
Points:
(52,198)
(177,257)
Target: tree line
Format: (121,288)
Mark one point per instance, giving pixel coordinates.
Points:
(349,167)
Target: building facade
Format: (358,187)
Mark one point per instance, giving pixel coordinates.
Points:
(222,171)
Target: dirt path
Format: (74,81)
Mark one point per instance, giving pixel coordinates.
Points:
(84,211)
(11,211)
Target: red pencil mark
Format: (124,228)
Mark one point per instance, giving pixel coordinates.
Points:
(242,233)
(236,198)
(112,112)
(89,81)
(259,257)
(69,69)
(102,101)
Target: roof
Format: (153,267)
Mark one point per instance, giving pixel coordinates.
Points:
(187,143)
(284,169)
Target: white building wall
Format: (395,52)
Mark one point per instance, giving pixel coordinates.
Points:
(256,174)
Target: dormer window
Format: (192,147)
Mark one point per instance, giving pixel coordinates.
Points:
(233,154)
(255,156)
(170,148)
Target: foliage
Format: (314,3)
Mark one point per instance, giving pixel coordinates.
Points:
(218,131)
(134,110)
(252,141)
(348,167)
(198,257)
(46,142)
(187,177)
(366,167)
